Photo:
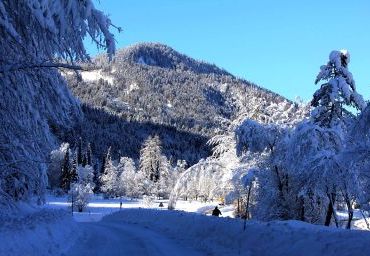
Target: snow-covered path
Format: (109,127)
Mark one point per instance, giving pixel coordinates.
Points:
(117,238)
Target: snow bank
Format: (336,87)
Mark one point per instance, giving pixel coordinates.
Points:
(225,236)
(89,76)
(45,232)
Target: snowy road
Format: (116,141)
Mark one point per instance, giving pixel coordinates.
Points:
(118,238)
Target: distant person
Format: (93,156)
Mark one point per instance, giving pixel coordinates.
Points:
(120,205)
(216,212)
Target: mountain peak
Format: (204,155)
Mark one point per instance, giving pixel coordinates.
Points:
(163,56)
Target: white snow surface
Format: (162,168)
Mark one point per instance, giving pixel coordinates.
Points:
(96,75)
(225,236)
(43,232)
(105,229)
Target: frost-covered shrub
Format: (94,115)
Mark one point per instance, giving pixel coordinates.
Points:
(80,195)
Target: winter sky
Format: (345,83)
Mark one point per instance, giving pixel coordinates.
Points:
(279,45)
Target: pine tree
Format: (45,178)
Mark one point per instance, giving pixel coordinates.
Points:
(127,184)
(65,176)
(79,152)
(150,158)
(73,171)
(337,91)
(89,155)
(109,178)
(98,172)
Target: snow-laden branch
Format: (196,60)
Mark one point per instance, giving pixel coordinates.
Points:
(25,66)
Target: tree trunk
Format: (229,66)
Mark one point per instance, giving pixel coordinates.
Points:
(238,208)
(350,212)
(302,212)
(248,199)
(330,212)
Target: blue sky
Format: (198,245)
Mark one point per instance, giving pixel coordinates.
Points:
(279,45)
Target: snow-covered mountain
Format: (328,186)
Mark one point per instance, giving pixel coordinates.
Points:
(152,83)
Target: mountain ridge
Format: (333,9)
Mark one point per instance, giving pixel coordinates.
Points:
(170,84)
(155,85)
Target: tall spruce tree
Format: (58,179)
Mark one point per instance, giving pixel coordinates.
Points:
(65,176)
(151,158)
(337,91)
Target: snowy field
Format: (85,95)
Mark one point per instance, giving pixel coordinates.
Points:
(226,236)
(38,232)
(99,207)
(142,229)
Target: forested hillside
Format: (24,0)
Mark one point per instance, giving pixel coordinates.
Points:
(153,83)
(150,88)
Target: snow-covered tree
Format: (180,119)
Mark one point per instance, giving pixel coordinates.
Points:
(109,178)
(37,36)
(58,30)
(86,175)
(66,170)
(165,183)
(155,167)
(82,190)
(56,164)
(89,155)
(80,195)
(338,90)
(151,158)
(127,179)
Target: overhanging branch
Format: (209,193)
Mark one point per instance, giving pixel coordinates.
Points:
(19,67)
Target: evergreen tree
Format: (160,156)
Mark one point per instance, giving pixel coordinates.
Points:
(127,184)
(151,158)
(73,171)
(55,167)
(89,155)
(109,178)
(65,176)
(97,176)
(338,90)
(79,152)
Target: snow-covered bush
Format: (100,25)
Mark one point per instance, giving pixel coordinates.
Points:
(80,195)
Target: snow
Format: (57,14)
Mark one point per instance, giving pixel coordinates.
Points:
(91,76)
(114,237)
(225,236)
(132,87)
(105,229)
(100,207)
(43,232)
(224,87)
